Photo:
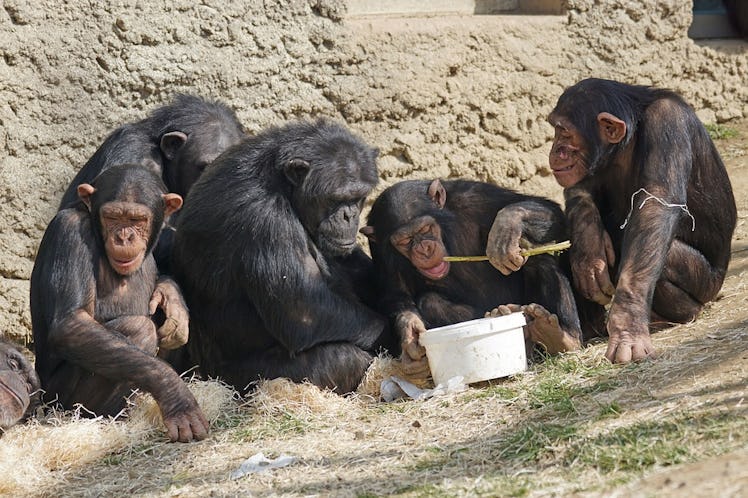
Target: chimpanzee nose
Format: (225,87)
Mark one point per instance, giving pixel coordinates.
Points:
(126,235)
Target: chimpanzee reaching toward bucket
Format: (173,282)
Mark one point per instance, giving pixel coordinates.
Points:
(649,205)
(266,255)
(18,385)
(92,293)
(414,224)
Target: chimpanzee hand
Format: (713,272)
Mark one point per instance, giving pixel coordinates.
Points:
(591,256)
(629,338)
(183,418)
(502,248)
(175,330)
(409,326)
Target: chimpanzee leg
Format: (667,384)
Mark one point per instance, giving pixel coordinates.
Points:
(437,311)
(100,395)
(552,313)
(687,282)
(339,366)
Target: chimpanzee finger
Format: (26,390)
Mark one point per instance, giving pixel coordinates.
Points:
(185,432)
(156,298)
(199,426)
(172,429)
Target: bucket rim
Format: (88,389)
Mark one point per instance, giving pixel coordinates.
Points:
(463,330)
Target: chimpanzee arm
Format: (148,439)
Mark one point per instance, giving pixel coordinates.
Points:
(292,291)
(534,221)
(665,134)
(64,283)
(591,254)
(81,340)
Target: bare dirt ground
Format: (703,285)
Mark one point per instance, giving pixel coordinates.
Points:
(574,426)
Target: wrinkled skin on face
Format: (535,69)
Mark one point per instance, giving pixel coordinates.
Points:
(568,157)
(336,233)
(421,242)
(126,228)
(18,381)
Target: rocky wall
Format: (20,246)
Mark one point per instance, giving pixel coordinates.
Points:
(442,96)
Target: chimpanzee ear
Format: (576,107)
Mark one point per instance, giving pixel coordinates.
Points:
(437,193)
(85,191)
(171,142)
(296,170)
(369,232)
(173,203)
(612,129)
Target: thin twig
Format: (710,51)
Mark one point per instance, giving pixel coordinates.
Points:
(534,251)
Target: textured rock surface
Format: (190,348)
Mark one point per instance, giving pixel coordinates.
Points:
(440,96)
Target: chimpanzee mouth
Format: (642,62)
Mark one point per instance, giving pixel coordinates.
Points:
(336,247)
(563,169)
(10,393)
(436,272)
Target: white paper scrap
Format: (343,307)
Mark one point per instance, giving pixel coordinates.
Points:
(395,388)
(258,463)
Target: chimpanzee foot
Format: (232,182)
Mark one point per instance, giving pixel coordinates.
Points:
(543,328)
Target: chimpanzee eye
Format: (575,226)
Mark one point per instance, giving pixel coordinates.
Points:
(404,242)
(14,363)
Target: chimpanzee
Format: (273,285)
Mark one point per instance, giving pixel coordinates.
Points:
(414,224)
(649,205)
(18,385)
(177,141)
(266,255)
(92,291)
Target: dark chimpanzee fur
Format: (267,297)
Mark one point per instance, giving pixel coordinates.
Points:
(92,292)
(649,205)
(18,385)
(414,224)
(266,254)
(177,141)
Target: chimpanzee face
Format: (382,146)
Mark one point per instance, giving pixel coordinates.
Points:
(18,381)
(421,242)
(128,206)
(328,198)
(126,229)
(568,156)
(336,232)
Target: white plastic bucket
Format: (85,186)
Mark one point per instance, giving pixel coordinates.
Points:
(477,350)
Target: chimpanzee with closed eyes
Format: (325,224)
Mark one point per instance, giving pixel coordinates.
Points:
(18,385)
(266,255)
(93,290)
(414,224)
(177,141)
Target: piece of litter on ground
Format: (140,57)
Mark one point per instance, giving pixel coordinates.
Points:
(258,463)
(394,388)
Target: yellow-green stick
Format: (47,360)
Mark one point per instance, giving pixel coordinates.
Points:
(534,251)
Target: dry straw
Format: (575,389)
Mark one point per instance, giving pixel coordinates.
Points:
(38,455)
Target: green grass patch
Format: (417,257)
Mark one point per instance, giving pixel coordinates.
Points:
(657,442)
(533,442)
(281,425)
(719,132)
